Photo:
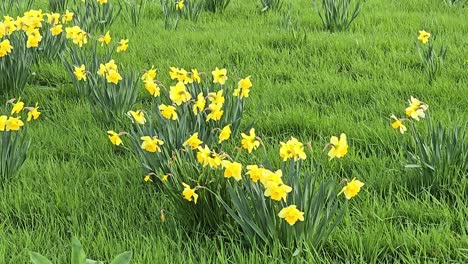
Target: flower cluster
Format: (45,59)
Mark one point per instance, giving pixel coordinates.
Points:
(32,21)
(415,110)
(13,122)
(15,116)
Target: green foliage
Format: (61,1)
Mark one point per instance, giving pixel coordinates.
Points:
(216,6)
(58,6)
(289,24)
(432,59)
(51,47)
(439,156)
(134,11)
(452,3)
(95,17)
(112,101)
(78,256)
(192,9)
(14,146)
(271,5)
(171,14)
(337,15)
(8,6)
(15,68)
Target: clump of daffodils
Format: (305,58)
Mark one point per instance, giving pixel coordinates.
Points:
(32,36)
(190,120)
(416,110)
(259,193)
(436,154)
(15,117)
(110,91)
(432,59)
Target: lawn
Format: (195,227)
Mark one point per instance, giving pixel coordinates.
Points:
(310,85)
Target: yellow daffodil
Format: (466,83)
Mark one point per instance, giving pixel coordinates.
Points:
(225,134)
(147,178)
(152,87)
(416,109)
(149,74)
(216,98)
(424,36)
(168,111)
(291,214)
(199,105)
(8,25)
(271,178)
(398,124)
(34,38)
(243,88)
(123,45)
(193,141)
(203,155)
(339,148)
(256,174)
(114,138)
(5,48)
(105,69)
(3,120)
(179,94)
(106,39)
(232,169)
(189,193)
(17,107)
(80,73)
(181,75)
(151,144)
(34,113)
(219,76)
(215,160)
(67,17)
(102,2)
(137,116)
(216,112)
(162,216)
(113,77)
(180,5)
(56,30)
(196,76)
(277,191)
(292,149)
(250,141)
(352,188)
(77,35)
(13,123)
(53,18)
(164,178)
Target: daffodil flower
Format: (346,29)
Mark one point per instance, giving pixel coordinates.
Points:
(291,214)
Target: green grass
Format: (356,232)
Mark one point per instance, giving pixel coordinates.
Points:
(74,182)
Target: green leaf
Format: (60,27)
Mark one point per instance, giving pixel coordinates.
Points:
(78,255)
(123,258)
(37,258)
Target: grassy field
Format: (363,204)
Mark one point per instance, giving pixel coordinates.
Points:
(75,183)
